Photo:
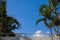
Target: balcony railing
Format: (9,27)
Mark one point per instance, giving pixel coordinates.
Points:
(31,36)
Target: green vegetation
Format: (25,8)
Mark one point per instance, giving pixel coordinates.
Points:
(7,23)
(50,13)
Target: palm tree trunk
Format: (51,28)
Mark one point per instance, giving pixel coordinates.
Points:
(58,32)
(51,34)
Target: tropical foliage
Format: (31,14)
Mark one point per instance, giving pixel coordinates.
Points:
(7,23)
(50,13)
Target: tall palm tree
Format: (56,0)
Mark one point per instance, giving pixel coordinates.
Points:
(46,13)
(7,23)
(49,12)
(55,5)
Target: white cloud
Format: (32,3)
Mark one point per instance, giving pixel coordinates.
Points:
(38,33)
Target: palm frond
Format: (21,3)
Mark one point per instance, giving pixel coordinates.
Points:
(43,19)
(45,11)
(13,22)
(50,5)
(54,3)
(58,2)
(50,24)
(43,8)
(17,23)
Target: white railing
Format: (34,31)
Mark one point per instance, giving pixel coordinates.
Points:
(28,36)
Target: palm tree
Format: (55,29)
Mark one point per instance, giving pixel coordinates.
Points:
(49,12)
(7,23)
(46,13)
(55,5)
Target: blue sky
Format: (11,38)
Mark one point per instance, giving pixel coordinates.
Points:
(27,13)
